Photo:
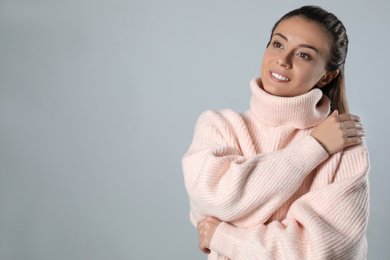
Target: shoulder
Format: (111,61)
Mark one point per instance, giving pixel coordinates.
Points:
(354,162)
(227,123)
(215,128)
(359,149)
(219,117)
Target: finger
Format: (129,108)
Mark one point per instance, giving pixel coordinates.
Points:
(201,233)
(334,113)
(348,117)
(203,247)
(354,133)
(352,124)
(199,224)
(353,141)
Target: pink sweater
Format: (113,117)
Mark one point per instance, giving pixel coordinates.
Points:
(277,191)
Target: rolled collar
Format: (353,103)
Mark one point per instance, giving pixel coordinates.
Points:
(303,111)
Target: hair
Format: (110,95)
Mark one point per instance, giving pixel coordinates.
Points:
(334,28)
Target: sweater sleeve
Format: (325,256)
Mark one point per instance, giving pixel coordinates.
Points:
(221,182)
(328,223)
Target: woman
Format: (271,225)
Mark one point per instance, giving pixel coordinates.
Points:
(287,179)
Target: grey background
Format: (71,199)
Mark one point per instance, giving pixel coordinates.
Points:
(98,103)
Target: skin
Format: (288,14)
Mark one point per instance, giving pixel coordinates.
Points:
(297,52)
(206,232)
(289,55)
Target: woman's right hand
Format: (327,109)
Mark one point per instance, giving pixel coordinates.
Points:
(338,131)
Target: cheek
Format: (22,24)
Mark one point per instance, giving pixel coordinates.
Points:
(264,62)
(268,56)
(310,74)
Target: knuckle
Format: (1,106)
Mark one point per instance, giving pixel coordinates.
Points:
(357,140)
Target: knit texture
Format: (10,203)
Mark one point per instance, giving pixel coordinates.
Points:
(277,191)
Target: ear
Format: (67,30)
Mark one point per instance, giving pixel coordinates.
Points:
(328,77)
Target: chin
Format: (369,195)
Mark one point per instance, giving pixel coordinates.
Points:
(273,91)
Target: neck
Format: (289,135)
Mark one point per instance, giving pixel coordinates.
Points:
(303,111)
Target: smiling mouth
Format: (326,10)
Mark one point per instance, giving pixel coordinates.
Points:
(279,77)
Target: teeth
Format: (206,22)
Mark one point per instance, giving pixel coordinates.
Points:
(279,76)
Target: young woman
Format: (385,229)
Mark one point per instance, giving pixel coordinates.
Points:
(287,179)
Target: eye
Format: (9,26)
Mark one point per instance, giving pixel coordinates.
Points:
(277,44)
(304,55)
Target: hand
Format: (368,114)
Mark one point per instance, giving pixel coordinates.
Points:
(206,232)
(339,131)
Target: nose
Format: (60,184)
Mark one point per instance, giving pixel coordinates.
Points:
(284,60)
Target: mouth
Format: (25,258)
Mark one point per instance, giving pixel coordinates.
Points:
(279,78)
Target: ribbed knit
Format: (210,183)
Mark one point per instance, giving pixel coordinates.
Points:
(277,191)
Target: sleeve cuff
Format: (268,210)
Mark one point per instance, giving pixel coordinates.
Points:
(307,153)
(228,240)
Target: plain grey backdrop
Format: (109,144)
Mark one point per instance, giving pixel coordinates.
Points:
(98,103)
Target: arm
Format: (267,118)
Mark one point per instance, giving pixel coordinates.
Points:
(328,223)
(224,184)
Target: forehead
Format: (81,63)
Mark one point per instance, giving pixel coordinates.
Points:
(301,31)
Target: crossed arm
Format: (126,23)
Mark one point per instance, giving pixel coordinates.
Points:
(328,223)
(222,183)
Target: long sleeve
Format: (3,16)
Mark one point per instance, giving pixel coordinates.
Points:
(223,183)
(328,223)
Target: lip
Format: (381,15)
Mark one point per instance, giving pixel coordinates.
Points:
(281,74)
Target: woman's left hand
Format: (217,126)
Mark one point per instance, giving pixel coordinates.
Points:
(206,232)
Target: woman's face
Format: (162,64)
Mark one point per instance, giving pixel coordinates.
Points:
(295,60)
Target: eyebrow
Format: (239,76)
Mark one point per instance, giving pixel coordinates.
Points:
(302,45)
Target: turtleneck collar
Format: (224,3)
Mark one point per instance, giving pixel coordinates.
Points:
(303,111)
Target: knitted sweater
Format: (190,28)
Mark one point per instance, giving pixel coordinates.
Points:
(276,190)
